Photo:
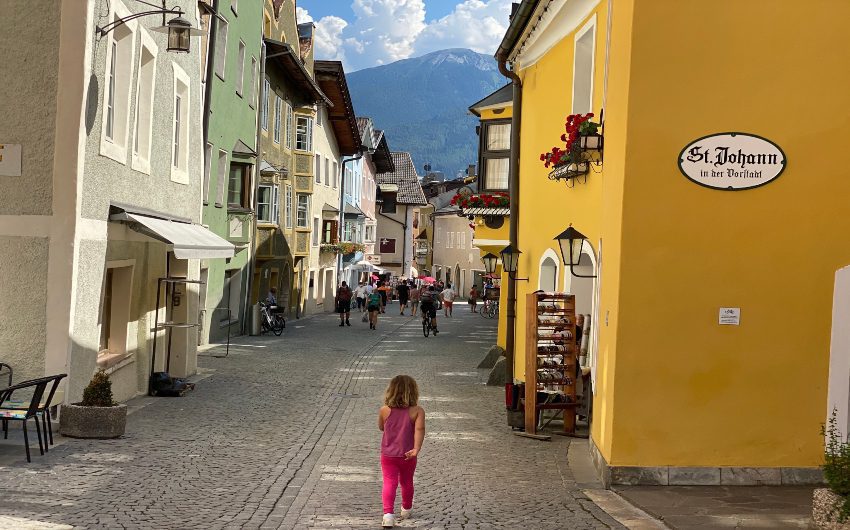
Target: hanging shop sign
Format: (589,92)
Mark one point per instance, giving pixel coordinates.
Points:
(732,161)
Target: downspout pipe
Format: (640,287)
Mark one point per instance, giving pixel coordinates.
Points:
(252,259)
(205,127)
(209,73)
(519,21)
(339,228)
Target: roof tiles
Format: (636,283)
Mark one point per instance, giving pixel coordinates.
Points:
(406,178)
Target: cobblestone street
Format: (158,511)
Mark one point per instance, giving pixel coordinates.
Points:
(282,434)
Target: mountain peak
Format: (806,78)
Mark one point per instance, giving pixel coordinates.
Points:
(459,56)
(421,104)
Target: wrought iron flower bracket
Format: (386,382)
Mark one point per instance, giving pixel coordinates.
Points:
(177,10)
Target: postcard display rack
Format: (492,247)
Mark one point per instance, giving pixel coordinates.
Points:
(551,357)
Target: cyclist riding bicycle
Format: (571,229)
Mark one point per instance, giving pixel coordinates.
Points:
(428,304)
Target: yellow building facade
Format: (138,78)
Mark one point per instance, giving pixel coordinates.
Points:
(492,224)
(680,398)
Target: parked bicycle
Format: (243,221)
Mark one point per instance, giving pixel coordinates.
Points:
(489,309)
(271,320)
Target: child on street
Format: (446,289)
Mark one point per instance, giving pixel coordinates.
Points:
(403,422)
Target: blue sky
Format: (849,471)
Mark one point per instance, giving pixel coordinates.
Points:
(434,9)
(366,33)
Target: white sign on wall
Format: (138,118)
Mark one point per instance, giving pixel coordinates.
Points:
(10,160)
(730,316)
(732,161)
(374,260)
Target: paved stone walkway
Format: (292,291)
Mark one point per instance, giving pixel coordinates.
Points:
(283,434)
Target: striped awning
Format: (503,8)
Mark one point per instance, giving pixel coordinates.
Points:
(486,211)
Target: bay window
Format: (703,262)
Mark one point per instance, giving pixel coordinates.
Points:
(302,211)
(304,133)
(495,154)
(268,204)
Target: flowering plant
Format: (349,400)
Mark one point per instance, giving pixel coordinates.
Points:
(577,125)
(343,247)
(499,199)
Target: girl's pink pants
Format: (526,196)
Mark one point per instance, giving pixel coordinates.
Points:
(397,470)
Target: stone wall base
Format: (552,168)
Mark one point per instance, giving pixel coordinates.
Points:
(702,476)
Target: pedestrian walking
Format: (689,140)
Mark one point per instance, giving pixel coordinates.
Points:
(403,292)
(448,297)
(402,421)
(360,296)
(473,299)
(373,306)
(343,304)
(383,289)
(414,298)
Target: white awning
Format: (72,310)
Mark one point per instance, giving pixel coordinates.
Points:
(190,241)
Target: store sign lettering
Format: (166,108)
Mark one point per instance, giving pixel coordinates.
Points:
(732,161)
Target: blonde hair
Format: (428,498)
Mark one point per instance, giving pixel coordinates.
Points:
(402,392)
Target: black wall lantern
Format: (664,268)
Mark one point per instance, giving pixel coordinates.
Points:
(510,259)
(571,241)
(178,28)
(491,261)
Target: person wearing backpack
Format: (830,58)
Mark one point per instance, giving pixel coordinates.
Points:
(343,304)
(373,306)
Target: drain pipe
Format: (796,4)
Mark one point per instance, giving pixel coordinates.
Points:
(513,185)
(252,246)
(519,21)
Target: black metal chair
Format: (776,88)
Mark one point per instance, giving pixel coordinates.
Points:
(43,407)
(38,387)
(4,366)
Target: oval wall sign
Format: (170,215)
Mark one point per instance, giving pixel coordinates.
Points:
(732,161)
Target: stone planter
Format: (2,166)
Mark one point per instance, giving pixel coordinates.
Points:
(825,509)
(77,421)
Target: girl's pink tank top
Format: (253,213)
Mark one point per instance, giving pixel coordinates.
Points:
(398,433)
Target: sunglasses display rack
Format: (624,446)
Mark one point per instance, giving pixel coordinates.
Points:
(551,357)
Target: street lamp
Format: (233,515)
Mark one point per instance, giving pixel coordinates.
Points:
(490,262)
(571,241)
(178,28)
(510,259)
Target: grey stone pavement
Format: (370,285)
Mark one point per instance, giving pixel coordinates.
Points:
(283,434)
(705,507)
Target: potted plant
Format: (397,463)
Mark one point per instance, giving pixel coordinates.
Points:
(581,135)
(97,415)
(499,199)
(831,506)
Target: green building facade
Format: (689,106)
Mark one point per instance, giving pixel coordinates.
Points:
(232,73)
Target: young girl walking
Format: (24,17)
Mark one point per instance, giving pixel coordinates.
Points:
(403,422)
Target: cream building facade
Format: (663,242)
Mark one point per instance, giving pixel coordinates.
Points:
(86,237)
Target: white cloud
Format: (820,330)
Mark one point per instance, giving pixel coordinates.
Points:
(302,16)
(475,24)
(384,31)
(329,41)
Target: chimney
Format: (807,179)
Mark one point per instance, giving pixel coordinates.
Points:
(470,171)
(514,7)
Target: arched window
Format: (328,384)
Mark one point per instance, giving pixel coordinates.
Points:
(548,274)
